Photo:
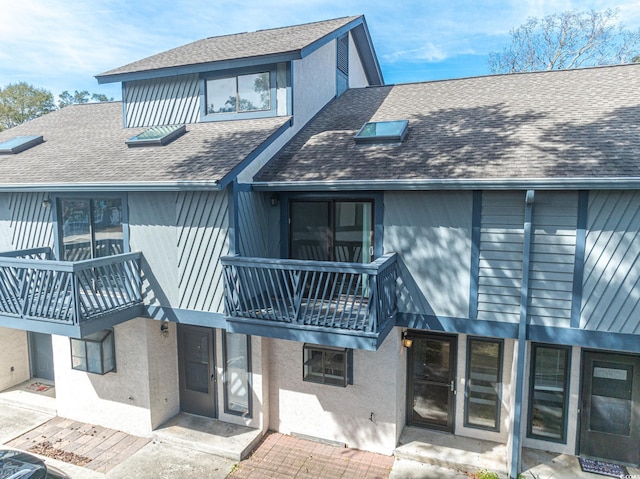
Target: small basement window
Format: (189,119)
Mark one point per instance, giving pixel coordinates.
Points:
(327,365)
(382,132)
(157,135)
(94,353)
(19,143)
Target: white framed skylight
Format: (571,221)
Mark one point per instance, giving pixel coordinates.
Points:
(382,132)
(19,143)
(157,135)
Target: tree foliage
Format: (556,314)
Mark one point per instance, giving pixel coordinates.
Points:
(567,40)
(20,102)
(65,98)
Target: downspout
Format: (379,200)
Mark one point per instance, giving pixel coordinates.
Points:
(516,447)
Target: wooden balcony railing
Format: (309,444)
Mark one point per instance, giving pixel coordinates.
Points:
(33,287)
(337,296)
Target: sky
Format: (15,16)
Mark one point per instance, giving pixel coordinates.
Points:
(62,44)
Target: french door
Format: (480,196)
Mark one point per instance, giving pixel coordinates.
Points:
(610,418)
(331,230)
(432,380)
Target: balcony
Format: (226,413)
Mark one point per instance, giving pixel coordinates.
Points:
(70,298)
(340,304)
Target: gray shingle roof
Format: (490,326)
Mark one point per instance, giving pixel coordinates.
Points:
(567,124)
(85,144)
(237,46)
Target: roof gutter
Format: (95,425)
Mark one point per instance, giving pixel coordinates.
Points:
(613,183)
(132,186)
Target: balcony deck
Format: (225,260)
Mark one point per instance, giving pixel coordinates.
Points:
(340,304)
(70,298)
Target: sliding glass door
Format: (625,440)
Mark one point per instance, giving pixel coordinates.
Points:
(331,230)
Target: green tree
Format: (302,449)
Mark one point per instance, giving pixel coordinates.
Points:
(20,102)
(567,40)
(65,98)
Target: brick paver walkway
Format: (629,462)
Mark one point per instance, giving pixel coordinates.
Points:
(86,445)
(283,457)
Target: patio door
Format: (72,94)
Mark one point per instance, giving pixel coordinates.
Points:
(197,370)
(331,230)
(610,419)
(41,352)
(432,380)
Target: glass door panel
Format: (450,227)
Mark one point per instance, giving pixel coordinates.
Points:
(352,232)
(107,227)
(76,230)
(432,361)
(309,230)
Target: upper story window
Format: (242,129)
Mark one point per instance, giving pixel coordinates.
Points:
(246,93)
(90,227)
(239,94)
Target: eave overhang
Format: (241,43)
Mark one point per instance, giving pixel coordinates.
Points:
(102,187)
(613,183)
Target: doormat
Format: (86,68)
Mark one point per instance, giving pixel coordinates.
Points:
(603,468)
(38,387)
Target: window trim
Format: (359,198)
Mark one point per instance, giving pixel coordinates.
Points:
(566,392)
(239,115)
(498,408)
(348,364)
(85,340)
(58,236)
(249,413)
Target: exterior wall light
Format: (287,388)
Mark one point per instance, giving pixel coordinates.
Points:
(275,200)
(407,342)
(46,203)
(164,327)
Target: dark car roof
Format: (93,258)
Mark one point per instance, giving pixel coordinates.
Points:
(18,464)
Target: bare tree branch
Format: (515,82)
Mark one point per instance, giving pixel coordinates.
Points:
(567,40)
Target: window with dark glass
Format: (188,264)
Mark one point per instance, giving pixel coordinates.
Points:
(237,373)
(548,394)
(90,228)
(331,230)
(94,353)
(238,94)
(326,365)
(484,382)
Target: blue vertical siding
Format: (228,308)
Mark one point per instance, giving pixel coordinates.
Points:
(258,225)
(431,232)
(611,281)
(555,216)
(203,236)
(500,268)
(152,230)
(26,223)
(162,101)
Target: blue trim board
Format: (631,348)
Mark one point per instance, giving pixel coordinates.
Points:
(494,329)
(522,337)
(232,227)
(199,68)
(476,220)
(578,268)
(585,338)
(307,334)
(188,316)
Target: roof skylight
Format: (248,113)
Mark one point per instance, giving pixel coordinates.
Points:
(19,143)
(157,135)
(382,132)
